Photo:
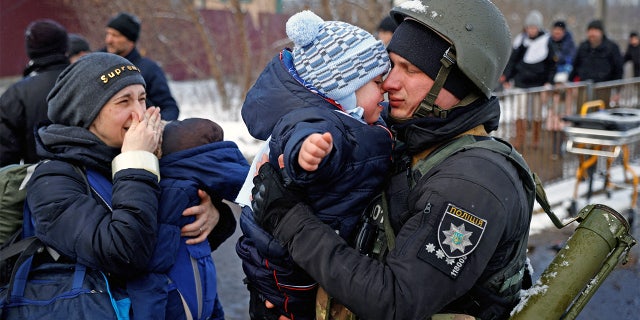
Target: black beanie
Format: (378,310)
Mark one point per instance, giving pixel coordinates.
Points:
(387,24)
(45,37)
(596,24)
(85,86)
(127,24)
(424,49)
(77,44)
(560,24)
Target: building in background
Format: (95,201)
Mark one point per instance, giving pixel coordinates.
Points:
(254,6)
(169,35)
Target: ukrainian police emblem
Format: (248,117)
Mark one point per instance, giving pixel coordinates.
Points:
(459,232)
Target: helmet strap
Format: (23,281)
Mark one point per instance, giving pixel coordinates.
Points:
(428,107)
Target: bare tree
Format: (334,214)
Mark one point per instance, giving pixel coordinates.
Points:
(231,48)
(210,49)
(240,18)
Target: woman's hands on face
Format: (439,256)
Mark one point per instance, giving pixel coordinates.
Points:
(144,134)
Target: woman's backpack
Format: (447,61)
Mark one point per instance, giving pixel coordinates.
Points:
(13,181)
(34,282)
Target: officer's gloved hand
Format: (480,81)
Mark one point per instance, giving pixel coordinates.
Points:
(271,198)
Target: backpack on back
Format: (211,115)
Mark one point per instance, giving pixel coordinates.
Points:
(13,181)
(29,269)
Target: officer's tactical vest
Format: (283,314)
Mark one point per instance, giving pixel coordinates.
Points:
(505,284)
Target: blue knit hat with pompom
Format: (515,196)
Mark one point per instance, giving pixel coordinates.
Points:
(335,57)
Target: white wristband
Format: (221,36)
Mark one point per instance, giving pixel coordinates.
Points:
(136,160)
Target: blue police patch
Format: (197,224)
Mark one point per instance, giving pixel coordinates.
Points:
(459,233)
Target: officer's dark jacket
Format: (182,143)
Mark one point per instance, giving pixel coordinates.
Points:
(24,106)
(602,63)
(158,92)
(280,106)
(460,224)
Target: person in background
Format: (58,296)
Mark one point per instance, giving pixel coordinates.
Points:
(23,106)
(454,237)
(385,29)
(633,53)
(78,47)
(123,31)
(320,106)
(100,124)
(597,59)
(531,64)
(564,50)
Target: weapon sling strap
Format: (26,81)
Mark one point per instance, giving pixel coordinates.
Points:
(531,179)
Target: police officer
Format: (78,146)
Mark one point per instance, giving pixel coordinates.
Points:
(454,233)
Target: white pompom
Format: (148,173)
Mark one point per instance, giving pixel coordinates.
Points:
(303,27)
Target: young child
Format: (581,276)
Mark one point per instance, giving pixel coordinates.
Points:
(318,106)
(194,157)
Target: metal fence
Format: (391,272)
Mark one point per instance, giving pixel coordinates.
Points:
(532,121)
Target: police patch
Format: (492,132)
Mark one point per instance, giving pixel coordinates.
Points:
(459,233)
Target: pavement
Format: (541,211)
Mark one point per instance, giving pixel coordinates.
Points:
(617,298)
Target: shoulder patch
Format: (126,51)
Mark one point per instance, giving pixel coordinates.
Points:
(459,233)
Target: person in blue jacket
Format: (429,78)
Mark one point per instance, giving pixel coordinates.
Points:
(195,157)
(564,49)
(100,123)
(320,106)
(123,31)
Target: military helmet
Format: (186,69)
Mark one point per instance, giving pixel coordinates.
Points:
(476,28)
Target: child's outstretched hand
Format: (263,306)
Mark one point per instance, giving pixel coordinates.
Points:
(314,148)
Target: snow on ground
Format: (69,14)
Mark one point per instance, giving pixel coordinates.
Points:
(562,193)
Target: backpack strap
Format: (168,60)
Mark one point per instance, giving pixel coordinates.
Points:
(22,266)
(423,166)
(28,225)
(16,248)
(101,186)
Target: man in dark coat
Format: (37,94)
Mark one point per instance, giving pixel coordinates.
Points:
(633,53)
(24,105)
(598,59)
(123,31)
